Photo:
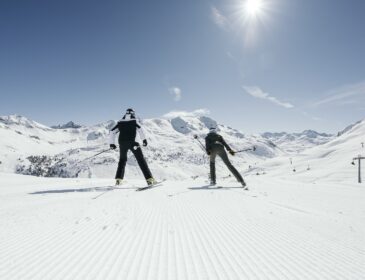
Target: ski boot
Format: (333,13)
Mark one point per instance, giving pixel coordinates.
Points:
(118,182)
(151,181)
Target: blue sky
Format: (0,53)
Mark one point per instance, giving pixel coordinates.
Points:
(290,66)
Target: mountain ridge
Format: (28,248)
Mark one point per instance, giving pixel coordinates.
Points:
(28,147)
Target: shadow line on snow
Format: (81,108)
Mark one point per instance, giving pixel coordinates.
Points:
(205,188)
(209,188)
(94,189)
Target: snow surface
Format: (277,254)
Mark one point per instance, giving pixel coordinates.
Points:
(307,224)
(52,228)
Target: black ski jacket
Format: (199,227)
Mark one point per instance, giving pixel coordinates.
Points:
(127,130)
(213,139)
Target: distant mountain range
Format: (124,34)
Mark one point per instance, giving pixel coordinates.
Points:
(329,161)
(28,147)
(297,142)
(70,124)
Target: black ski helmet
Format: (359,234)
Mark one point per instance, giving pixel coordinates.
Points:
(129,114)
(130,111)
(213,129)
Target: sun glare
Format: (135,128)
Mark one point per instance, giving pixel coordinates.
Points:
(253,7)
(250,16)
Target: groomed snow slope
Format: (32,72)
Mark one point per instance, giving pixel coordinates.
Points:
(54,229)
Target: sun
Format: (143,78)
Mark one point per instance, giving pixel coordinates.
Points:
(254,7)
(250,17)
(252,11)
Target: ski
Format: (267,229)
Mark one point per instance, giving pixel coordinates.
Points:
(157,184)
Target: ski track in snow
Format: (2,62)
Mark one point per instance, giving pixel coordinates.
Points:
(175,231)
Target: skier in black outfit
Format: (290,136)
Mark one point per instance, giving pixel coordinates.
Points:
(215,144)
(127,128)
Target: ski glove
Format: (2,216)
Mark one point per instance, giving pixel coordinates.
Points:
(113,147)
(232,152)
(144,143)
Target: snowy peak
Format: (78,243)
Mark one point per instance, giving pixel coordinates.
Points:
(200,126)
(18,120)
(297,142)
(208,122)
(350,127)
(182,126)
(186,124)
(70,124)
(306,133)
(314,134)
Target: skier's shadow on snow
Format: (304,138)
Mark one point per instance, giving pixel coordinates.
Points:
(205,188)
(95,189)
(210,188)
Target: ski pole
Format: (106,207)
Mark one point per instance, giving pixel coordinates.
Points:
(104,151)
(200,143)
(203,149)
(246,150)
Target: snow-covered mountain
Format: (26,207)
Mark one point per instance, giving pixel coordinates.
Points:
(70,124)
(330,161)
(297,142)
(348,128)
(28,147)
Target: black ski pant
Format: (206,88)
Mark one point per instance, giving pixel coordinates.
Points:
(219,150)
(124,147)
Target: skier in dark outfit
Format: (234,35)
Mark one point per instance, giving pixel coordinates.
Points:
(215,144)
(127,128)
